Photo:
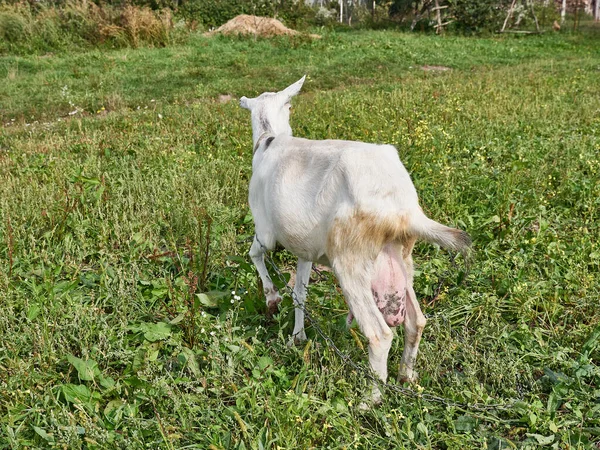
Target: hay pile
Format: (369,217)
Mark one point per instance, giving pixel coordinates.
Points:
(245,24)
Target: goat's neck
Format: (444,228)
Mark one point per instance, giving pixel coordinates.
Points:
(259,129)
(262,126)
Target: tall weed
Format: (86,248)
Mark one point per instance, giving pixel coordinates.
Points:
(139,26)
(34,28)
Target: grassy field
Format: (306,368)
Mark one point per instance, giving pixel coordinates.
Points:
(130,316)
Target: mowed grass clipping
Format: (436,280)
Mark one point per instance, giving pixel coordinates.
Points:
(131,316)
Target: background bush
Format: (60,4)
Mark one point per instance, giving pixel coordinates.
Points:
(478,15)
(47,25)
(30,28)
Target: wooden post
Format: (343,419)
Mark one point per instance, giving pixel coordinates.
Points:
(509,14)
(563,11)
(537,25)
(418,14)
(373,12)
(438,14)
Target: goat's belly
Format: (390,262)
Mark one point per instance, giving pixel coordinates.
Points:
(303,250)
(301,238)
(389,286)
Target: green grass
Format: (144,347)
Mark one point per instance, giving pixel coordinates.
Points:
(115,218)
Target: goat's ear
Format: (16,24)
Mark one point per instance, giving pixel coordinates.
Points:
(246,103)
(293,89)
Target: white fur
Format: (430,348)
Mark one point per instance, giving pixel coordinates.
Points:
(300,189)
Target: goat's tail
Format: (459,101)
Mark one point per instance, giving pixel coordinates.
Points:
(431,231)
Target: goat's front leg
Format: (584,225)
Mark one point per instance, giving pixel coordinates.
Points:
(302,277)
(257,253)
(413,328)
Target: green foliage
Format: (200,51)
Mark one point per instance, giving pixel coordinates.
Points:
(132,318)
(33,28)
(546,15)
(12,26)
(478,15)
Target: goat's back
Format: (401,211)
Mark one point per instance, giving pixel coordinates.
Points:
(302,189)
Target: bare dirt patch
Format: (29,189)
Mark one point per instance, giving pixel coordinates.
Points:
(435,68)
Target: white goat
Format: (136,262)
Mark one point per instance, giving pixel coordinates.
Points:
(351,206)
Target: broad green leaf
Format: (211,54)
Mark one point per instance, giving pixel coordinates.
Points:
(177,319)
(139,359)
(43,434)
(556,377)
(107,383)
(533,418)
(113,410)
(553,402)
(152,353)
(542,440)
(79,393)
(591,343)
(264,362)
(494,219)
(86,369)
(241,261)
(33,312)
(206,300)
(156,331)
(500,443)
(465,424)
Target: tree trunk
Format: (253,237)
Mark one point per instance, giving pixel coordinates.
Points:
(563,11)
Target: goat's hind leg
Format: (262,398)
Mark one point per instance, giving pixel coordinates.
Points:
(355,281)
(257,254)
(414,323)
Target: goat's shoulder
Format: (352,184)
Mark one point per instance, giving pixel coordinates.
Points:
(296,144)
(287,150)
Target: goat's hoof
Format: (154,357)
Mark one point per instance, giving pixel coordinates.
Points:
(363,406)
(404,377)
(368,405)
(297,339)
(273,306)
(369,402)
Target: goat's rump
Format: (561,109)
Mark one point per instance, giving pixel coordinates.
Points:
(389,286)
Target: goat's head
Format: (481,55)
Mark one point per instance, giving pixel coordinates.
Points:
(270,111)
